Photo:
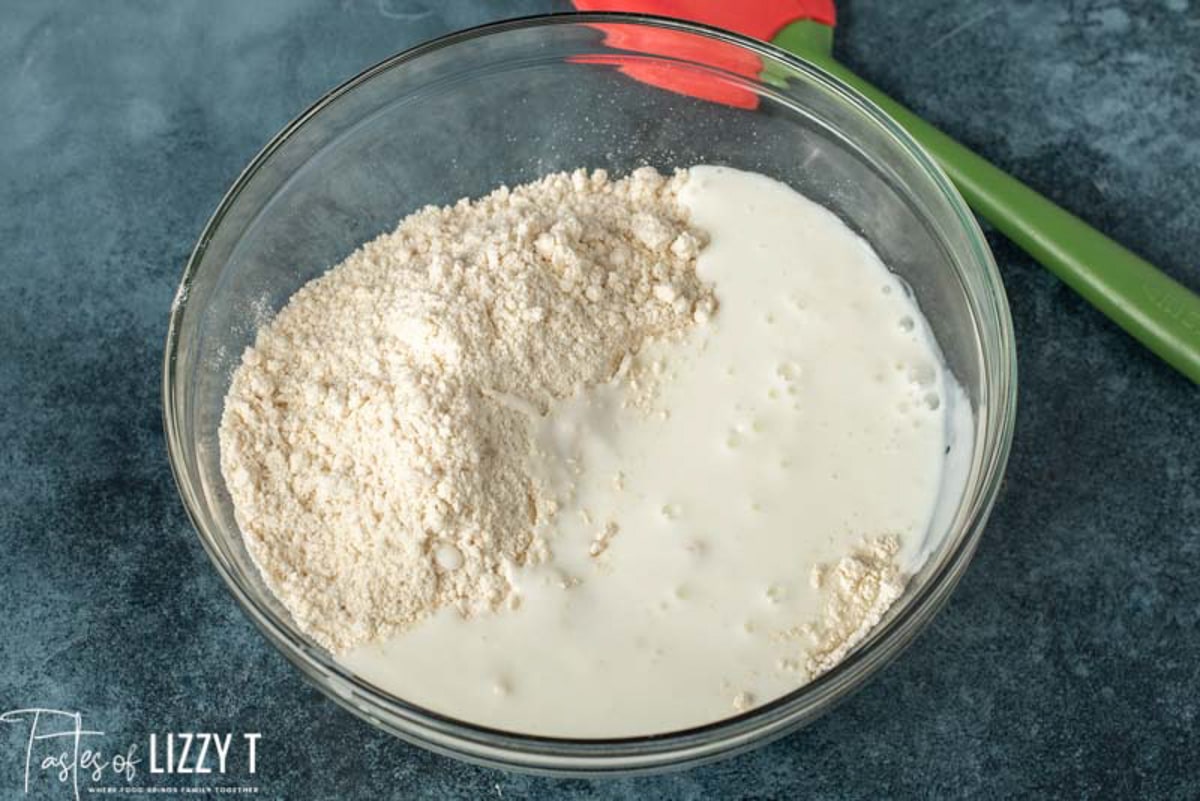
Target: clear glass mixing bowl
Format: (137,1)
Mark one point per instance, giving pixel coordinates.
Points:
(507,103)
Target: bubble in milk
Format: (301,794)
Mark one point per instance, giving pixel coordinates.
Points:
(932,401)
(922,374)
(788,371)
(907,324)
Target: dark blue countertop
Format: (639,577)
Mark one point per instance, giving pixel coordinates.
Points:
(1068,661)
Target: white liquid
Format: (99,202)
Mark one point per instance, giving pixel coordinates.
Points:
(813,411)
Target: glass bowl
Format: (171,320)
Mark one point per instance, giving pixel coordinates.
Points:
(507,103)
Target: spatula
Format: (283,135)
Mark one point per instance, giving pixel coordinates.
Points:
(1158,311)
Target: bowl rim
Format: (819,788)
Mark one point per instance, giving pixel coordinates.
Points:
(595,756)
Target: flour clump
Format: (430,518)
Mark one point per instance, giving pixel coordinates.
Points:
(862,586)
(375,436)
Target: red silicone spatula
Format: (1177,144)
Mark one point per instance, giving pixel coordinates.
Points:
(1161,313)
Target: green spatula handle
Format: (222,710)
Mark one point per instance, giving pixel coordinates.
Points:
(1159,312)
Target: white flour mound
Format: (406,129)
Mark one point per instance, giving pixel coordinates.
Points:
(862,588)
(375,437)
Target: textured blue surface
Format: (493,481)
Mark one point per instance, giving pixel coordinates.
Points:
(1067,661)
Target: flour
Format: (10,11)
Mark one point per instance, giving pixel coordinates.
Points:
(375,436)
(862,587)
